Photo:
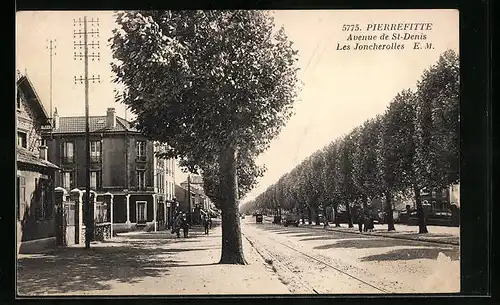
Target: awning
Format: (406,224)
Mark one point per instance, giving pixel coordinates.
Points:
(28,157)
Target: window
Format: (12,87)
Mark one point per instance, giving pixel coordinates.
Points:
(160,181)
(141,150)
(68,152)
(141,181)
(22,139)
(95,151)
(95,180)
(67,180)
(21,197)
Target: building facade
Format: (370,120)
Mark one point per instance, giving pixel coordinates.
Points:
(122,164)
(200,203)
(35,204)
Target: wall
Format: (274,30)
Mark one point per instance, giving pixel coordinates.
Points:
(119,209)
(28,228)
(113,162)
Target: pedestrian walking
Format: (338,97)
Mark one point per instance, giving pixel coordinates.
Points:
(185,226)
(360,219)
(369,219)
(176,227)
(206,223)
(366,219)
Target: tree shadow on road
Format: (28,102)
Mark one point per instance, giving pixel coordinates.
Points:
(413,253)
(325,237)
(76,269)
(369,242)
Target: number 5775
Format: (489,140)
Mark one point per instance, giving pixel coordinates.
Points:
(350,27)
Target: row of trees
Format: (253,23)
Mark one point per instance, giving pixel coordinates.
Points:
(413,145)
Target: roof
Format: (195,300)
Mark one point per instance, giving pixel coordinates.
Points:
(28,157)
(25,84)
(96,124)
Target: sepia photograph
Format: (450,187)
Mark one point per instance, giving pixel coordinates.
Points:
(237,152)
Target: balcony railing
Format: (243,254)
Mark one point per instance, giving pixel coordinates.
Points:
(68,159)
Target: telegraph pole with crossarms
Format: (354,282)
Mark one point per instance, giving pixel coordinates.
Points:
(82,31)
(51,46)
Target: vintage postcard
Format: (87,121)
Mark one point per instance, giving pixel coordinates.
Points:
(237,152)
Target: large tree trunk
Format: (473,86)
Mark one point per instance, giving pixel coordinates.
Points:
(309,215)
(388,209)
(316,216)
(422,226)
(232,247)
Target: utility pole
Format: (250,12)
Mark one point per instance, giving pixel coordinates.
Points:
(78,34)
(51,47)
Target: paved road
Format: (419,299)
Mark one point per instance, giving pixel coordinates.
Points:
(319,261)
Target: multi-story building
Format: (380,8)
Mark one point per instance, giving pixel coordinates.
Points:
(200,203)
(122,163)
(36,227)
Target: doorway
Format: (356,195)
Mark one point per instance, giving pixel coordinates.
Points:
(141,211)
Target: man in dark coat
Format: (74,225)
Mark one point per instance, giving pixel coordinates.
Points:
(360,219)
(206,223)
(185,226)
(176,226)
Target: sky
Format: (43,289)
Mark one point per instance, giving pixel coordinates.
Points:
(340,88)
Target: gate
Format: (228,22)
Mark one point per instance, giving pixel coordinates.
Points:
(69,222)
(102,228)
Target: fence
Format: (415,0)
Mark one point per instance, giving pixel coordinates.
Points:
(102,228)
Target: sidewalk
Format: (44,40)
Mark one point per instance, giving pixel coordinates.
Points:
(142,263)
(437,234)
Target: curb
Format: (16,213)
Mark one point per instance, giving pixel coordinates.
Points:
(387,236)
(396,237)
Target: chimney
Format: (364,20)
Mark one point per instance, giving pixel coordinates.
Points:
(110,118)
(55,119)
(43,152)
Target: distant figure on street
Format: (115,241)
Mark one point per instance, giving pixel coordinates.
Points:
(176,227)
(206,223)
(368,219)
(185,226)
(360,219)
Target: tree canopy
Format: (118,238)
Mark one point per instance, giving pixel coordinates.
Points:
(217,86)
(412,146)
